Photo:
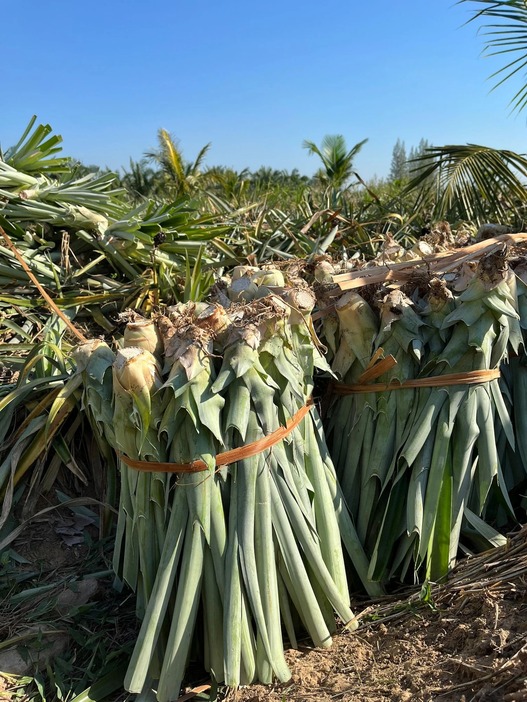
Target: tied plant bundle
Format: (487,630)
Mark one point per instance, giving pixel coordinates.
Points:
(420,427)
(231,520)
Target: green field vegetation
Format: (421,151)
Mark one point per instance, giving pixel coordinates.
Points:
(112,248)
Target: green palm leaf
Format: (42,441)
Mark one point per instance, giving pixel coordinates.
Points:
(508,37)
(472,182)
(172,157)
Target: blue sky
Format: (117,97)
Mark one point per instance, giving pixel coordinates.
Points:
(254,79)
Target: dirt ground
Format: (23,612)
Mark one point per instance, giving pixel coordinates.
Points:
(464,641)
(459,642)
(471,649)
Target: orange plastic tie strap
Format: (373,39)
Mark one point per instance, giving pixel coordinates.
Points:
(227,457)
(378,365)
(436,381)
(192,693)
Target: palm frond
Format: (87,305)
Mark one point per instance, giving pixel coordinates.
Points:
(195,166)
(172,157)
(473,182)
(507,37)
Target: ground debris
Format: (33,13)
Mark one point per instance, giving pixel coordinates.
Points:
(465,641)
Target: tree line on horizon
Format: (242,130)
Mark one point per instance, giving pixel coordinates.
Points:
(461,183)
(166,171)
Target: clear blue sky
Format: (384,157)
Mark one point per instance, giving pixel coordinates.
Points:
(254,79)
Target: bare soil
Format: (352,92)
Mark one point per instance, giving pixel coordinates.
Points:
(471,649)
(462,641)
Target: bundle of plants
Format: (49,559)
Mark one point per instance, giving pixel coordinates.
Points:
(513,384)
(229,517)
(414,425)
(301,284)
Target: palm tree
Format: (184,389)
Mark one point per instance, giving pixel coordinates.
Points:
(226,184)
(181,177)
(140,181)
(337,161)
(266,178)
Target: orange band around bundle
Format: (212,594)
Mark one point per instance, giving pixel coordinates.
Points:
(227,457)
(468,378)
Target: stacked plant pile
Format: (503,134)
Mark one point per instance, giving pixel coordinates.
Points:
(85,242)
(72,247)
(230,515)
(426,425)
